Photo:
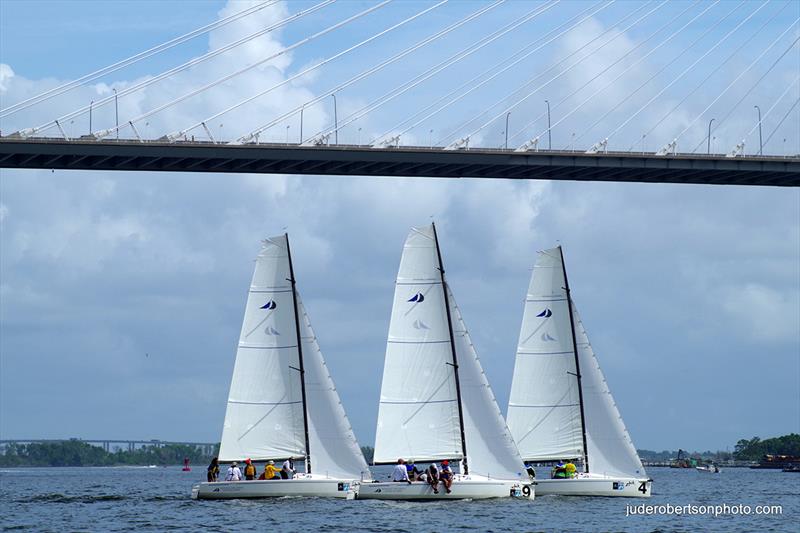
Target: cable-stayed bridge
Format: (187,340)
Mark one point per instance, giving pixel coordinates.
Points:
(494,81)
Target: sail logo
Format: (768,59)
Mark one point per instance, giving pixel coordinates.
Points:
(269,305)
(269,330)
(547,313)
(419,324)
(546,337)
(417,298)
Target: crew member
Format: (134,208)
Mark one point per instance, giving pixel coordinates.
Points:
(250,471)
(213,470)
(400,474)
(446,475)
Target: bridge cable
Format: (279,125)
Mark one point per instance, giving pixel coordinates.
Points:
(180,68)
(463,125)
(227,77)
(752,87)
(768,111)
(173,136)
(675,58)
(451,98)
(254,133)
(464,141)
(699,85)
(621,74)
(386,97)
(673,144)
(61,89)
(797,101)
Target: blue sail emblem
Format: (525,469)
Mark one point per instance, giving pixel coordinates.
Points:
(417,298)
(546,337)
(547,313)
(269,305)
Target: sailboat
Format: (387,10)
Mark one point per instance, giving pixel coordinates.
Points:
(436,403)
(282,402)
(560,406)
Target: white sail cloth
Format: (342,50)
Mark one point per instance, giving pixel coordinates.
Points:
(491,451)
(264,416)
(544,410)
(418,413)
(418,417)
(610,448)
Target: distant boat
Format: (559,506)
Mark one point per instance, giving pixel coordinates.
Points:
(436,403)
(282,402)
(560,406)
(711,469)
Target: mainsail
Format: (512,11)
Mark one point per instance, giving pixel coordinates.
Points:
(430,359)
(545,414)
(418,413)
(266,417)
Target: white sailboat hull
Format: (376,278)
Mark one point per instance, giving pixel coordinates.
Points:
(305,486)
(466,487)
(596,486)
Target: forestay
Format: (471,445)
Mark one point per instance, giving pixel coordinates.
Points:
(418,411)
(491,451)
(544,410)
(611,450)
(264,415)
(334,449)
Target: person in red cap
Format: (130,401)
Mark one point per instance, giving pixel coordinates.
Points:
(446,475)
(249,470)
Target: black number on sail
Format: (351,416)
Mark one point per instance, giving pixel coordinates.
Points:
(643,487)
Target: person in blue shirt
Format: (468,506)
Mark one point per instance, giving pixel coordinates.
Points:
(446,475)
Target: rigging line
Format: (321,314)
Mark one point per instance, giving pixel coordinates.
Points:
(782,119)
(441,66)
(173,136)
(687,69)
(752,87)
(250,136)
(463,125)
(56,91)
(745,71)
(708,76)
(520,100)
(179,68)
(448,98)
(223,79)
(624,71)
(676,57)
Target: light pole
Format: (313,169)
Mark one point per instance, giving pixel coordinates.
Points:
(760,143)
(303,108)
(708,152)
(430,138)
(549,137)
(335,121)
(359,136)
(116,111)
(507,115)
(287,133)
(572,144)
(90,116)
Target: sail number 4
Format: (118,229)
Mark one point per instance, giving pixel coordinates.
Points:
(643,487)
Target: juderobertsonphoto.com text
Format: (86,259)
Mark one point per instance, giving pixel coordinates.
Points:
(693,509)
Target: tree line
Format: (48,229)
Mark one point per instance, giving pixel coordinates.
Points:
(79,453)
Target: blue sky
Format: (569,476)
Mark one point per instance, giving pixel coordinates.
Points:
(122,294)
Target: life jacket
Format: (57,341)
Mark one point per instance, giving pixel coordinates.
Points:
(250,471)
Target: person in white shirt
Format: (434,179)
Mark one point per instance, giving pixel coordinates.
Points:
(234,474)
(400,473)
(287,469)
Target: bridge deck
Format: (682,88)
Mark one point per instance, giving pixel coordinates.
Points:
(347,160)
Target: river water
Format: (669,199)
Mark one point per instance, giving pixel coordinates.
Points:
(157,499)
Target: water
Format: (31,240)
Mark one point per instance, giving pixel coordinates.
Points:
(157,499)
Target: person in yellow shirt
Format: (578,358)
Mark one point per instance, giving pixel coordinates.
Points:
(270,472)
(571,470)
(250,470)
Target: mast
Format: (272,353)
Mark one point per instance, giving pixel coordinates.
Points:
(577,363)
(299,354)
(453,351)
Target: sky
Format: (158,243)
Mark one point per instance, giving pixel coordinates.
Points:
(122,294)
